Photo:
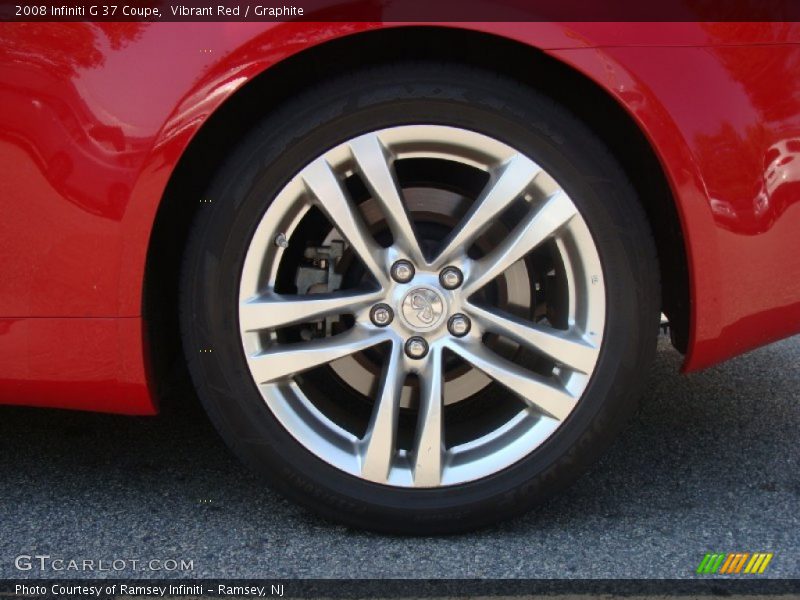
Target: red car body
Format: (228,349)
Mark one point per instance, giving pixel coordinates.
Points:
(94,120)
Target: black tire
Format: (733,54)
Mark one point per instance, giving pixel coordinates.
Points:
(356,103)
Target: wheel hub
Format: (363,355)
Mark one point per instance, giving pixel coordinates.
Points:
(423,309)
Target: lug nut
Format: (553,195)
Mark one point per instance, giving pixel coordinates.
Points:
(459,325)
(381,315)
(416,347)
(451,278)
(402,271)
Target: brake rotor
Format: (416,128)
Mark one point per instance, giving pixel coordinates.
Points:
(514,290)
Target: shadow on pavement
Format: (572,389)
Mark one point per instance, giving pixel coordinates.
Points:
(722,442)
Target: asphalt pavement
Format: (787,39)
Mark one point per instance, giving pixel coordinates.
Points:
(710,464)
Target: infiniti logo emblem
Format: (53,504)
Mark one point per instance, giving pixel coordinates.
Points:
(423,308)
(423,302)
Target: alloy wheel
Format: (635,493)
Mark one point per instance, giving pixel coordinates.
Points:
(421,311)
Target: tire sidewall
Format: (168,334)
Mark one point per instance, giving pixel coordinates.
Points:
(292,138)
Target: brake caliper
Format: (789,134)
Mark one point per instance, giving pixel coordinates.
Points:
(317,275)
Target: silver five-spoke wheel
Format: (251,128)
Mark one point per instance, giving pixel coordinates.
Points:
(415,322)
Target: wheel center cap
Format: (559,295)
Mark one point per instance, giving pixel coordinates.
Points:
(423,308)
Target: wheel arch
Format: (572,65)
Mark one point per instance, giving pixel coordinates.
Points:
(273,85)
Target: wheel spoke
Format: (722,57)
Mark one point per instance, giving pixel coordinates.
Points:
(566,348)
(374,163)
(279,310)
(538,226)
(512,180)
(380,439)
(429,443)
(533,389)
(286,360)
(333,201)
